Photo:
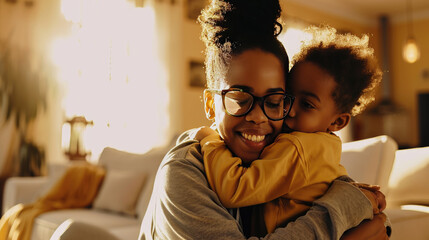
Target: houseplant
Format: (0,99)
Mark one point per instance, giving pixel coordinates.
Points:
(23,90)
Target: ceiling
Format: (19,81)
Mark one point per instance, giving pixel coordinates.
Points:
(368,11)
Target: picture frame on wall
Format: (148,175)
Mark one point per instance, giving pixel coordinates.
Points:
(197,75)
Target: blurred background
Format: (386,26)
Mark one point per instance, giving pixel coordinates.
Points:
(79,75)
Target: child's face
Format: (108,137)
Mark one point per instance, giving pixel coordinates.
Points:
(314,109)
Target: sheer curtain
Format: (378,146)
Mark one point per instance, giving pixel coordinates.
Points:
(115,70)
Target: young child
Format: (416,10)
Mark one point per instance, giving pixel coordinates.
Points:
(332,79)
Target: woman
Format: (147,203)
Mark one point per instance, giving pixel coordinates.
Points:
(242,52)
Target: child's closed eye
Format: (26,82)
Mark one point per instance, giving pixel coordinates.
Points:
(306,105)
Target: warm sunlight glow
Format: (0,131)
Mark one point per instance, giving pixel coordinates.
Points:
(62,228)
(112,74)
(65,136)
(72,10)
(417,208)
(293,39)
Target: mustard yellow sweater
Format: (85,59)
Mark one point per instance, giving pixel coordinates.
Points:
(291,173)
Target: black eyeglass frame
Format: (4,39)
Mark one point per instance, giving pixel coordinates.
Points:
(260,100)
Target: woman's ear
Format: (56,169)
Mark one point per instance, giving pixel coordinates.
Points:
(209,107)
(340,122)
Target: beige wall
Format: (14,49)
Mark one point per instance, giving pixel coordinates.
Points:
(192,113)
(312,16)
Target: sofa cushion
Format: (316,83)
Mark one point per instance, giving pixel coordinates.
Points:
(146,163)
(408,182)
(370,160)
(120,191)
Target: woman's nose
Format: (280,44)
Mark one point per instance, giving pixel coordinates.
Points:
(256,115)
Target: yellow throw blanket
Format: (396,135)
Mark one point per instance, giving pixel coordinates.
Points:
(76,189)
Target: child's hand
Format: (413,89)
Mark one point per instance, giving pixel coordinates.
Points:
(367,186)
(202,132)
(372,192)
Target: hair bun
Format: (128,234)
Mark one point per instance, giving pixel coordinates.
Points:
(253,16)
(236,21)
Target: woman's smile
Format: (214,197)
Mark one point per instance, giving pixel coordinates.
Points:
(253,138)
(253,143)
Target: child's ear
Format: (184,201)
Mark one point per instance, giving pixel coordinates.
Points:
(209,107)
(340,122)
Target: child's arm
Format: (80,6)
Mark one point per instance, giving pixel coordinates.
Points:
(278,173)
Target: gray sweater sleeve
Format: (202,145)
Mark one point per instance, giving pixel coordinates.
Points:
(183,206)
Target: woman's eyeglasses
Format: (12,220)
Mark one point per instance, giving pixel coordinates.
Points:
(238,102)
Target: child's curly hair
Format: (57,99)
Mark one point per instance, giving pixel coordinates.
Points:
(349,60)
(230,27)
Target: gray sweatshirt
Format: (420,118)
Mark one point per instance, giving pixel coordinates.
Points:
(183,206)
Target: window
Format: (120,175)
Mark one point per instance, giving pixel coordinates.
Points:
(112,74)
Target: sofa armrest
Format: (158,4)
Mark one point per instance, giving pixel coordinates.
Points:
(370,160)
(22,190)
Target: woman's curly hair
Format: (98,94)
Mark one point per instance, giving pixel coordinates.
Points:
(349,60)
(230,27)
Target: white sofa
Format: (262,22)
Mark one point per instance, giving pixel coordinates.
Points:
(402,175)
(124,173)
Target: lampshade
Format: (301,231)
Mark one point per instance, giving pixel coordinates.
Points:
(411,52)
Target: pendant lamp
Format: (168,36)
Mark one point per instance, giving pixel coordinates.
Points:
(410,51)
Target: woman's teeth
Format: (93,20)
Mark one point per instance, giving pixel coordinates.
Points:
(253,138)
